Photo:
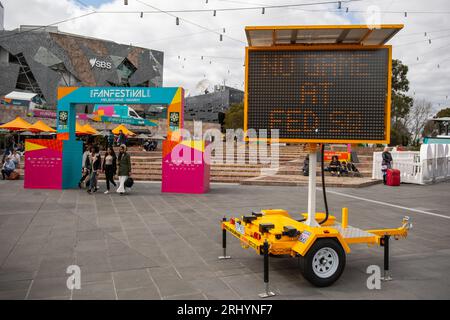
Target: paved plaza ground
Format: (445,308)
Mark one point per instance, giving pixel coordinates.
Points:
(149,245)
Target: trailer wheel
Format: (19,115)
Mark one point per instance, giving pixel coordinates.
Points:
(324,262)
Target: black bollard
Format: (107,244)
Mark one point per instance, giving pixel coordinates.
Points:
(386,275)
(224,241)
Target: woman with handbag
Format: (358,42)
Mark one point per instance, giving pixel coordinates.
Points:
(386,164)
(124,170)
(109,167)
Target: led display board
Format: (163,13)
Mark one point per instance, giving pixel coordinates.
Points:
(320,93)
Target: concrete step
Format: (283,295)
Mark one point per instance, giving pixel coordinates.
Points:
(294,172)
(280,180)
(138,177)
(240,173)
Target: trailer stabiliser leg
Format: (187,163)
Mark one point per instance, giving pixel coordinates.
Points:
(386,275)
(267,292)
(224,242)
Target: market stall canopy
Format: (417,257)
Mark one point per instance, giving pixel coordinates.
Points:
(17,124)
(40,126)
(157,137)
(143,136)
(124,129)
(18,95)
(89,129)
(79,129)
(266,36)
(103,133)
(26,133)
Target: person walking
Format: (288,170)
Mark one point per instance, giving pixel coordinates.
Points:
(95,162)
(386,163)
(85,164)
(109,167)
(124,170)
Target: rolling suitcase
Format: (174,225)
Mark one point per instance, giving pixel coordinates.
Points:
(393,177)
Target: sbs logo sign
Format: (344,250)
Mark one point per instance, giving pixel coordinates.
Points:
(94,62)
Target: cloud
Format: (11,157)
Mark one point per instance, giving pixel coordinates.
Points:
(159,31)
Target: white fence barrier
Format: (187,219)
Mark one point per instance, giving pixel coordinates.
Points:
(429,165)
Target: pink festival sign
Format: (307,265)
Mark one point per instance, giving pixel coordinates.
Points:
(43,164)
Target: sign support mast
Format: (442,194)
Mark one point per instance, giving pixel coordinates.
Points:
(311,220)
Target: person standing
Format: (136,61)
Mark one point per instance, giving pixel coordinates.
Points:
(110,139)
(122,139)
(124,170)
(386,163)
(9,146)
(109,167)
(96,162)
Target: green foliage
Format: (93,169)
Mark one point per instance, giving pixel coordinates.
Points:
(400,135)
(401,106)
(401,103)
(234,117)
(443,113)
(400,82)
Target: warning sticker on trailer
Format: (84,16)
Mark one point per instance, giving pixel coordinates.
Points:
(240,228)
(304,236)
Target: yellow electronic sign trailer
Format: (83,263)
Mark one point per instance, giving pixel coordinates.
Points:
(316,85)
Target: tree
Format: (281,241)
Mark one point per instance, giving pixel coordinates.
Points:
(400,135)
(234,117)
(417,119)
(401,103)
(443,113)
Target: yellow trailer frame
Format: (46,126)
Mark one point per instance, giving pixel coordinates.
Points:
(275,232)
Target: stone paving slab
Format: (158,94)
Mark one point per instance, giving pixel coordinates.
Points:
(149,245)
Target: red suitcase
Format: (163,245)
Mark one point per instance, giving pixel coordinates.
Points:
(393,177)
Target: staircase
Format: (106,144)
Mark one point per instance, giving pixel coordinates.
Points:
(146,166)
(290,174)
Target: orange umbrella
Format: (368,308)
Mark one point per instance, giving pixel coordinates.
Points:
(40,126)
(16,125)
(124,129)
(89,129)
(79,129)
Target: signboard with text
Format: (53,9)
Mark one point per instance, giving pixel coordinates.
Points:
(43,164)
(320,94)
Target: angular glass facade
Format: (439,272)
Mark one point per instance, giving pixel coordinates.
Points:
(41,60)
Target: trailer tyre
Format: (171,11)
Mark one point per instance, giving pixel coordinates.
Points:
(324,262)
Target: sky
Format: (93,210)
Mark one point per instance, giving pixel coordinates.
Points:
(427,55)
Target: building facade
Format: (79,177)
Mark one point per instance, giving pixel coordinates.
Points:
(40,59)
(210,106)
(2,17)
